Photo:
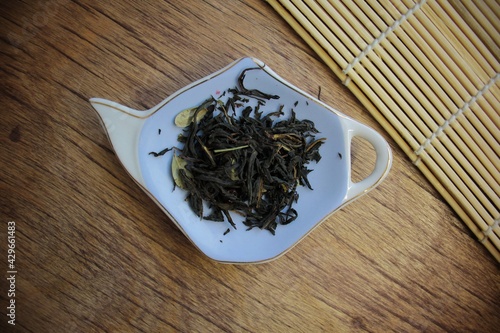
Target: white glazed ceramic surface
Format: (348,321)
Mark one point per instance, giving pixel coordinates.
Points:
(134,134)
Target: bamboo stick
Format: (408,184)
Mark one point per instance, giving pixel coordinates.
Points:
(476,27)
(462,32)
(317,35)
(494,7)
(324,11)
(486,55)
(490,15)
(330,15)
(473,166)
(490,117)
(495,96)
(381,11)
(329,39)
(481,135)
(493,101)
(462,46)
(306,36)
(495,93)
(481,18)
(325,27)
(458,71)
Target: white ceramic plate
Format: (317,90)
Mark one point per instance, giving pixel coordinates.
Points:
(134,134)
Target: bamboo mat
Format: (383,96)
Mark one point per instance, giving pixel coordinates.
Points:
(428,71)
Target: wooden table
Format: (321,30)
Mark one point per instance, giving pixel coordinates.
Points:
(94,254)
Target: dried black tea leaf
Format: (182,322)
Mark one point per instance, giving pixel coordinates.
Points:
(251,164)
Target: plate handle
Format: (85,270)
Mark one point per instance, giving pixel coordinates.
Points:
(383,160)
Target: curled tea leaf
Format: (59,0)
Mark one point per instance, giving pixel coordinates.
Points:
(185,117)
(179,164)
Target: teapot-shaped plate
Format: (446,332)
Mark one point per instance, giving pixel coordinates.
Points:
(134,134)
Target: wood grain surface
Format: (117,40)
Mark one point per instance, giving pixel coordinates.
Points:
(95,254)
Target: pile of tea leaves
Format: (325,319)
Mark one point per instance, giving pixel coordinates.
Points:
(251,164)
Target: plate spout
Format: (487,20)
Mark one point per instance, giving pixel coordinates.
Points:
(123,126)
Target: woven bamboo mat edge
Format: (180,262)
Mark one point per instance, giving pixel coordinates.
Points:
(487,235)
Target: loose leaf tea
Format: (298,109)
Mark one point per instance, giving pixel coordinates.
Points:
(251,163)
